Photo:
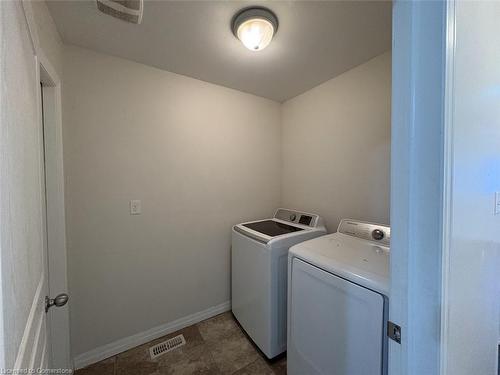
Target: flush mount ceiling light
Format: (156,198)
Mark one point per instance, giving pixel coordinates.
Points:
(255,27)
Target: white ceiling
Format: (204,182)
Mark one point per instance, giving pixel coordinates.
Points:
(316,40)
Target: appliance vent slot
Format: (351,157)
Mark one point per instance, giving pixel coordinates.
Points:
(166,346)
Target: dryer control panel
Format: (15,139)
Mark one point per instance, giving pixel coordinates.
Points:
(297,217)
(378,233)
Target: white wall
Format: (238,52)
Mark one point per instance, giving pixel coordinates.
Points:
(21,239)
(200,157)
(336,146)
(473,266)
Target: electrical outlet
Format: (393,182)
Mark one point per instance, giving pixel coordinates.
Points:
(497,203)
(135,207)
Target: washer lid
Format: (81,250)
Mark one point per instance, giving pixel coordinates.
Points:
(360,261)
(275,231)
(272,228)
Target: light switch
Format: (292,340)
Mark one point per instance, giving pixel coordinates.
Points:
(497,203)
(135,207)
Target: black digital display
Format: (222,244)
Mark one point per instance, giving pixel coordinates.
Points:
(305,220)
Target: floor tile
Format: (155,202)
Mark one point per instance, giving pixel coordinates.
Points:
(139,359)
(219,327)
(136,361)
(196,361)
(233,353)
(105,367)
(217,346)
(257,367)
(279,366)
(138,369)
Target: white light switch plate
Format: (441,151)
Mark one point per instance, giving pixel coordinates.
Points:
(497,203)
(135,207)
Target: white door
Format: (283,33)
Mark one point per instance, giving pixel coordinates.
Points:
(335,326)
(24,329)
(58,315)
(23,237)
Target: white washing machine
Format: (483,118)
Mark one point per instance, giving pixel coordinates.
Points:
(259,257)
(338,302)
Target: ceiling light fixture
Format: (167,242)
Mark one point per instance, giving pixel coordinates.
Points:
(255,27)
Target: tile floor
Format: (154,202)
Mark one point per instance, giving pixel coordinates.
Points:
(214,346)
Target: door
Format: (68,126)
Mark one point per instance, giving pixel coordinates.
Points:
(57,312)
(25,342)
(335,326)
(24,280)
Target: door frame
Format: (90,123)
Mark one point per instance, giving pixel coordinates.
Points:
(421,176)
(58,319)
(423,42)
(447,192)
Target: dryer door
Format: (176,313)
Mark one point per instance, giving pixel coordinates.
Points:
(335,326)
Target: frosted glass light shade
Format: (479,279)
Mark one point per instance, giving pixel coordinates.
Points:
(255,27)
(256,34)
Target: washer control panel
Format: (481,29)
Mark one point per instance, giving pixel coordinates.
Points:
(378,233)
(297,217)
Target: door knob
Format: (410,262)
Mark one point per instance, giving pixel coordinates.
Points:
(60,300)
(378,235)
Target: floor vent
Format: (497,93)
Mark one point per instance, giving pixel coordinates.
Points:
(166,346)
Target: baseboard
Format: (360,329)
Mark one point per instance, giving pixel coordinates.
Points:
(111,349)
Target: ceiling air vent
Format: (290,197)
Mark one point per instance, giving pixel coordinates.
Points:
(125,10)
(166,346)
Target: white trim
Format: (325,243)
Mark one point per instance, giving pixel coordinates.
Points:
(130,342)
(447,179)
(50,75)
(35,312)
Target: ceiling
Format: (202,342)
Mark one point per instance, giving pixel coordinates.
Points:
(316,40)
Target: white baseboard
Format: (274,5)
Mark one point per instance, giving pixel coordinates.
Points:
(111,349)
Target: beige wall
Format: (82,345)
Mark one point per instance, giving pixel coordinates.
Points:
(200,157)
(336,146)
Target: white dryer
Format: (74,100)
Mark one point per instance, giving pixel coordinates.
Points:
(259,255)
(338,302)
